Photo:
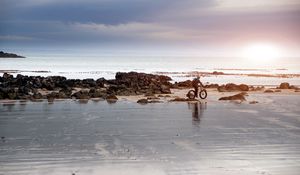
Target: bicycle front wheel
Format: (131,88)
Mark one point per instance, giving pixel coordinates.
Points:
(203,94)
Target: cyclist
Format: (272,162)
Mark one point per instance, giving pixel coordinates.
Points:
(195,83)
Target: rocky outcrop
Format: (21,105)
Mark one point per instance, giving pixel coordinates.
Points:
(183,84)
(132,83)
(230,87)
(286,85)
(239,96)
(9,55)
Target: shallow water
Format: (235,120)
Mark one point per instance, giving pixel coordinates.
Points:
(170,138)
(82,66)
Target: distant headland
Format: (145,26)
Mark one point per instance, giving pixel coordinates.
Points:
(9,55)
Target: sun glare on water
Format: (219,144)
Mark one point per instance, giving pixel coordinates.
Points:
(261,52)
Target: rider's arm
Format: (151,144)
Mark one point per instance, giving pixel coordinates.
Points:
(201,84)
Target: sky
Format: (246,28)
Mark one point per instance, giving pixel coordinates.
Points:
(205,27)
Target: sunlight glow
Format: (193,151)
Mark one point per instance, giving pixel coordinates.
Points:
(261,52)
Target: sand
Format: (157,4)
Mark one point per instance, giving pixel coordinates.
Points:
(169,138)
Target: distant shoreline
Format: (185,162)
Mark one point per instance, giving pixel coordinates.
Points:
(9,55)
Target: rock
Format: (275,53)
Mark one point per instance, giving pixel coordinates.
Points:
(50,100)
(81,95)
(230,87)
(165,89)
(277,90)
(8,93)
(142,101)
(152,98)
(244,87)
(7,76)
(297,90)
(133,83)
(97,93)
(37,96)
(268,91)
(87,83)
(183,84)
(239,96)
(211,86)
(253,102)
(294,87)
(178,99)
(67,92)
(111,97)
(164,96)
(284,86)
(101,82)
(217,73)
(257,88)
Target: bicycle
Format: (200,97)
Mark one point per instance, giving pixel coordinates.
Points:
(202,93)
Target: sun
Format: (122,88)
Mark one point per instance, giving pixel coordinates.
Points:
(261,52)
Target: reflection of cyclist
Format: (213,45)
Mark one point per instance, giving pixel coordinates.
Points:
(195,83)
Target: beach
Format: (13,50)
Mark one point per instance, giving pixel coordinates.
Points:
(139,123)
(97,137)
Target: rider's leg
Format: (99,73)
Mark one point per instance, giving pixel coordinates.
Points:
(196,92)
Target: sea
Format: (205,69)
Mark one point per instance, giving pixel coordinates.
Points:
(179,68)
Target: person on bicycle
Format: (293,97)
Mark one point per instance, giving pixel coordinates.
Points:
(195,83)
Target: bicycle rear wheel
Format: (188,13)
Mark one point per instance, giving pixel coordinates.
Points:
(191,94)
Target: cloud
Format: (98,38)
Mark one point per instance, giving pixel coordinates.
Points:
(15,38)
(157,22)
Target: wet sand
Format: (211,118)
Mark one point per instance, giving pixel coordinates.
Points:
(211,137)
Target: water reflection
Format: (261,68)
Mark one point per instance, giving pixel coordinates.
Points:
(197,111)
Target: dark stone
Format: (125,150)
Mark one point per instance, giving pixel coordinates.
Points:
(89,83)
(81,95)
(268,91)
(244,87)
(142,101)
(178,99)
(230,87)
(211,86)
(240,96)
(37,96)
(284,86)
(97,93)
(111,97)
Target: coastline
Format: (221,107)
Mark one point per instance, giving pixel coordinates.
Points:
(131,86)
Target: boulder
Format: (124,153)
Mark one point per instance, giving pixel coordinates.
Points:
(268,91)
(97,93)
(239,96)
(81,95)
(244,87)
(37,96)
(142,101)
(230,87)
(111,97)
(284,86)
(87,83)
